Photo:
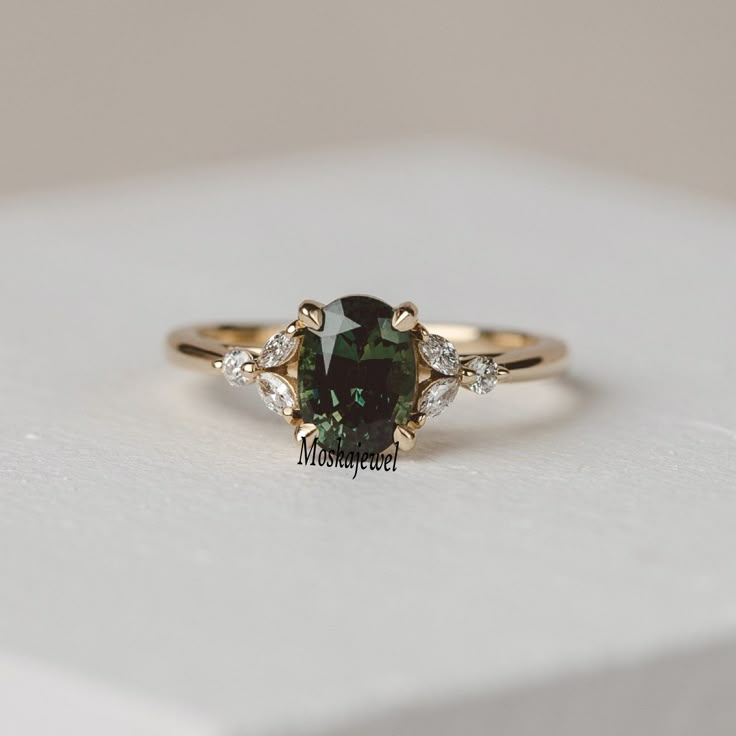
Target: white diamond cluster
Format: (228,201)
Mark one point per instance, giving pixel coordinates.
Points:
(275,390)
(438,396)
(440,355)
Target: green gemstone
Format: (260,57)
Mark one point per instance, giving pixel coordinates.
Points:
(357,376)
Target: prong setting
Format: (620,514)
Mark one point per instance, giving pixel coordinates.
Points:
(405,437)
(281,369)
(417,420)
(292,415)
(306,433)
(467,375)
(250,370)
(312,315)
(421,332)
(405,317)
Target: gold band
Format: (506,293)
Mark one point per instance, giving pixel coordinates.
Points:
(521,356)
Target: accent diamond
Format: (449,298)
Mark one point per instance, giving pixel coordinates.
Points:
(232,366)
(486,371)
(438,396)
(276,392)
(277,350)
(440,354)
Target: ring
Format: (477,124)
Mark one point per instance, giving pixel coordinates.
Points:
(357,375)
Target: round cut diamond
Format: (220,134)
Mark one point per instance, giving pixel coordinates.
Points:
(486,374)
(277,350)
(276,392)
(232,366)
(438,396)
(440,354)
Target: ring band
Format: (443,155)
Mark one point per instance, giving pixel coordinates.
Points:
(525,356)
(362,373)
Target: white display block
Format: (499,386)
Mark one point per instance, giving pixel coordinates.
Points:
(552,558)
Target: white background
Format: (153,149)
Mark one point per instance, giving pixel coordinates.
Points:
(554,556)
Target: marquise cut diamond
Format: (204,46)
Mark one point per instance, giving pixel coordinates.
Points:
(438,396)
(276,392)
(277,350)
(440,354)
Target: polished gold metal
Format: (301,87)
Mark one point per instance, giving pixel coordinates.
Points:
(306,433)
(467,375)
(405,437)
(250,370)
(504,374)
(417,421)
(405,317)
(312,314)
(421,332)
(292,416)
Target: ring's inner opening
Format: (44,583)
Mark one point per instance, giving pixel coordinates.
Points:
(240,334)
(466,338)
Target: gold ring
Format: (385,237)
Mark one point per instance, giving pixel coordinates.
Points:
(362,376)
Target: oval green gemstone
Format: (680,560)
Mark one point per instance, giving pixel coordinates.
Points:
(357,375)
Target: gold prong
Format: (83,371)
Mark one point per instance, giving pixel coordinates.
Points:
(307,433)
(467,375)
(405,317)
(312,315)
(217,365)
(292,416)
(405,437)
(293,328)
(417,421)
(504,374)
(249,369)
(421,331)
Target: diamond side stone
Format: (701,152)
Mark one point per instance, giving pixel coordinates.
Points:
(276,392)
(277,350)
(440,354)
(438,396)
(232,366)
(486,371)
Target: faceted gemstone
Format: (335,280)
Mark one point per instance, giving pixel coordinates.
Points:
(276,392)
(440,354)
(232,366)
(277,350)
(486,372)
(438,396)
(357,375)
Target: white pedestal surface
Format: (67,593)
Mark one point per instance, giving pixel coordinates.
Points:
(553,558)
